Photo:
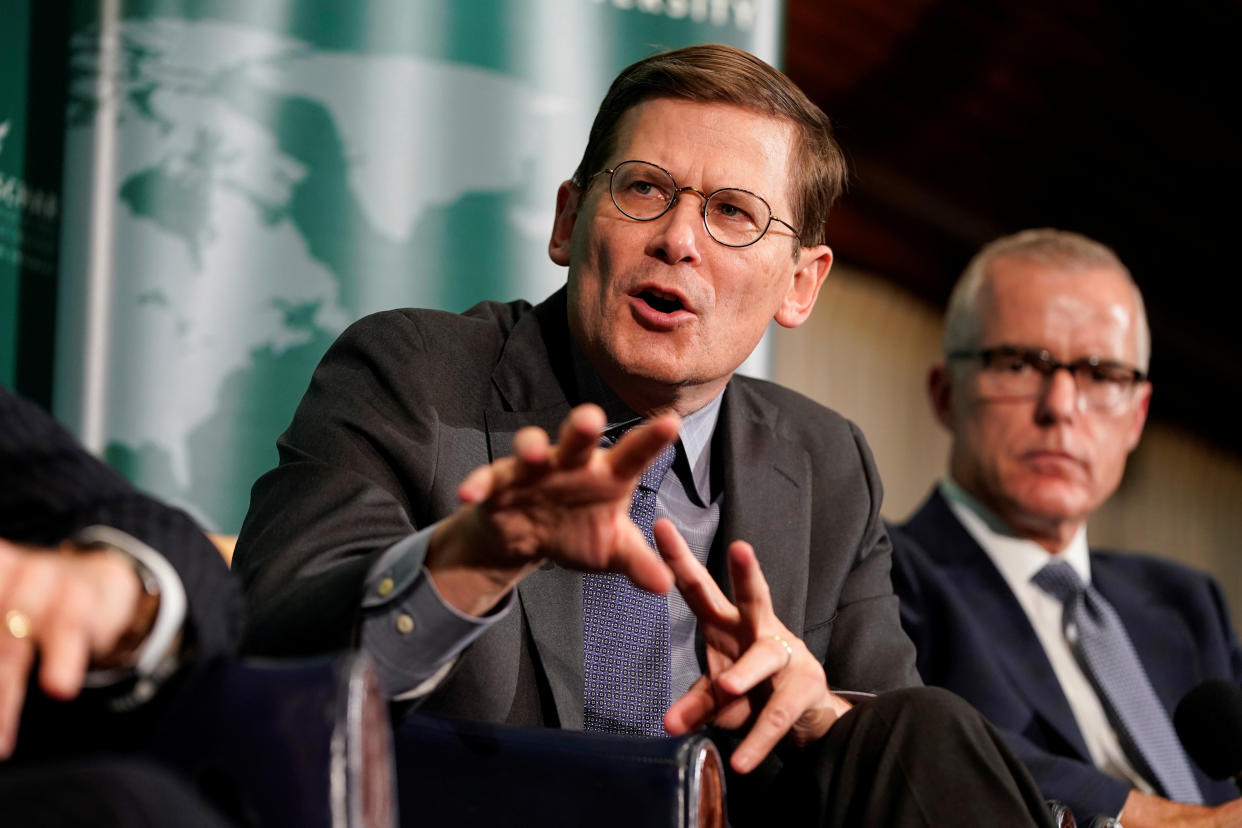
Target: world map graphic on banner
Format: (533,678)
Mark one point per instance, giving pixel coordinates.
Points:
(268,193)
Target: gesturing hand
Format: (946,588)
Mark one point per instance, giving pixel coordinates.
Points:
(70,606)
(568,503)
(758,674)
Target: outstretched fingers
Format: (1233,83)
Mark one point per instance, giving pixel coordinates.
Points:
(532,457)
(696,709)
(800,708)
(568,501)
(694,582)
(638,447)
(750,588)
(579,438)
(634,559)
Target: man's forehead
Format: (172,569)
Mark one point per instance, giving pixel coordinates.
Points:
(710,139)
(1051,305)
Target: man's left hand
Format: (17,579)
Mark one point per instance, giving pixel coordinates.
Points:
(70,607)
(759,674)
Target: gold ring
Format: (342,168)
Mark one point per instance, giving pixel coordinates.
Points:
(788,649)
(18,623)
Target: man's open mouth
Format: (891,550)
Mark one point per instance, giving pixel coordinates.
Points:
(664,303)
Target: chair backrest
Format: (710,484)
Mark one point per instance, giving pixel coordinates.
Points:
(303,743)
(1062,816)
(467,773)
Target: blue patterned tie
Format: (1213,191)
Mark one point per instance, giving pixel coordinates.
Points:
(1101,644)
(626,676)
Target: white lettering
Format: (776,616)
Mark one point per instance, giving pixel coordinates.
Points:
(15,194)
(742,13)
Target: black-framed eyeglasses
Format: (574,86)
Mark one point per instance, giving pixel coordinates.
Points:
(734,217)
(1015,371)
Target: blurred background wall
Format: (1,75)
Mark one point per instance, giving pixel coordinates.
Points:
(866,352)
(197,195)
(242,180)
(964,121)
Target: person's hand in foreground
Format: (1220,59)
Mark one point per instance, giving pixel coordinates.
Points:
(567,502)
(759,675)
(73,608)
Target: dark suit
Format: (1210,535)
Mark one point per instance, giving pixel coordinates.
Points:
(973,638)
(406,403)
(50,488)
(68,767)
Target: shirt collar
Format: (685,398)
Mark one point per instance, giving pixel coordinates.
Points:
(1017,558)
(697,427)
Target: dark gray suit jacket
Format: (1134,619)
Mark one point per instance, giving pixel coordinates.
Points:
(407,402)
(51,488)
(974,639)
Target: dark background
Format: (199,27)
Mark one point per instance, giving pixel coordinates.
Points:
(964,121)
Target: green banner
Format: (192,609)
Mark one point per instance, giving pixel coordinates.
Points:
(13,68)
(32,82)
(245,179)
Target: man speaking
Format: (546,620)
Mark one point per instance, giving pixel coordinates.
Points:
(421,508)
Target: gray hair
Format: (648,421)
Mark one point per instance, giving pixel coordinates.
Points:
(1062,249)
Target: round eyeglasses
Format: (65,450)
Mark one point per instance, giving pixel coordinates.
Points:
(734,217)
(1013,371)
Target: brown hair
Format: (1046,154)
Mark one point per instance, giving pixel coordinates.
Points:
(715,73)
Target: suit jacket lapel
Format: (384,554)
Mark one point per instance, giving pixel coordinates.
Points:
(550,599)
(988,597)
(766,500)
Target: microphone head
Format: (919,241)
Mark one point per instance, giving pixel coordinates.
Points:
(1208,720)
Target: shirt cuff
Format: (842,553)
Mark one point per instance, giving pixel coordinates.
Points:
(411,633)
(155,658)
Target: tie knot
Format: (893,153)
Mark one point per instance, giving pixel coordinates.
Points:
(1059,580)
(653,475)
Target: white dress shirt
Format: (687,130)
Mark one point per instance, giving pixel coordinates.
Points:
(1018,559)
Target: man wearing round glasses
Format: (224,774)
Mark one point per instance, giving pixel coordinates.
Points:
(494,572)
(671,287)
(1045,392)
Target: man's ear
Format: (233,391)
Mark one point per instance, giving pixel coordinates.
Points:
(567,199)
(940,393)
(812,269)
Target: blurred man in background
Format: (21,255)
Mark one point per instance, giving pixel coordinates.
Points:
(1079,655)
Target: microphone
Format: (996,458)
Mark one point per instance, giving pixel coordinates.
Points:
(1208,720)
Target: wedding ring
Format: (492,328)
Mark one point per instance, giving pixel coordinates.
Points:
(17,623)
(788,649)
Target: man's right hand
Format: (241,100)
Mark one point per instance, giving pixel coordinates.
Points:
(568,503)
(1146,811)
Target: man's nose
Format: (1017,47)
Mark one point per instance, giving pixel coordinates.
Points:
(680,231)
(1058,399)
